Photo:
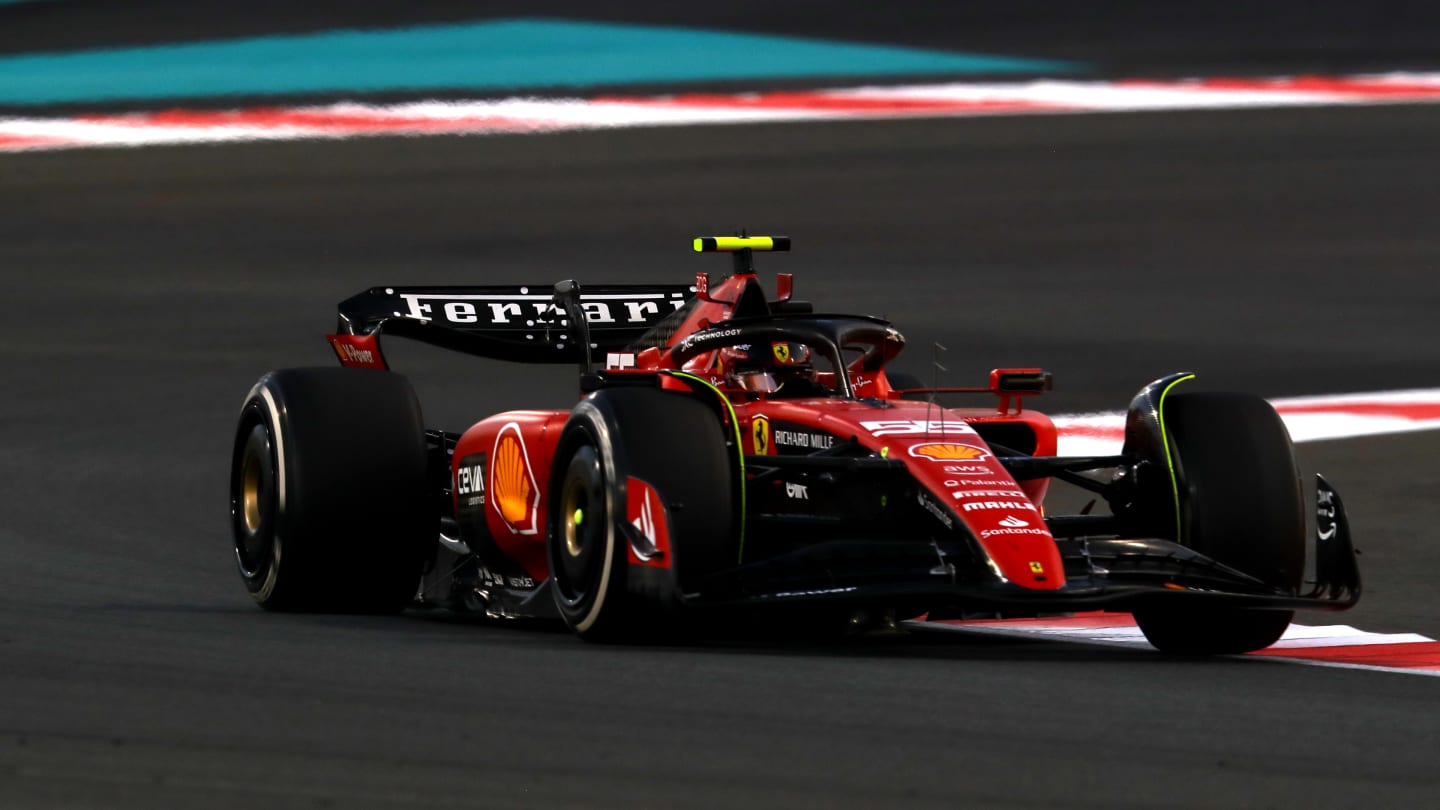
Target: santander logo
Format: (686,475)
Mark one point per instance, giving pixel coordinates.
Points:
(1013,522)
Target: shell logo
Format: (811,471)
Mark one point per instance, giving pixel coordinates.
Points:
(512,485)
(945,451)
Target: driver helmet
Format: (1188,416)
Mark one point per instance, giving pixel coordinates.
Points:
(764,368)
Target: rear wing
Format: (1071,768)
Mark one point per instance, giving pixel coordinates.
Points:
(518,323)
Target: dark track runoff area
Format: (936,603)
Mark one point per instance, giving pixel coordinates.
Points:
(1285,252)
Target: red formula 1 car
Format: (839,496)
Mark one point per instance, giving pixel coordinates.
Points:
(739,453)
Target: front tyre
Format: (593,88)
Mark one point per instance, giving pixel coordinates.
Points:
(328,491)
(1240,503)
(608,583)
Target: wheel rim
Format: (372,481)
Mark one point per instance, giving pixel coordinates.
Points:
(252,502)
(251,492)
(582,521)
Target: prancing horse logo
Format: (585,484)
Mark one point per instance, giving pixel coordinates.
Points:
(760,432)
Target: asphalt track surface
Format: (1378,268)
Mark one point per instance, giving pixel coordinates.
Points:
(1285,252)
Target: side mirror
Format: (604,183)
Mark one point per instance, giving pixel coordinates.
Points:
(1021,380)
(1013,384)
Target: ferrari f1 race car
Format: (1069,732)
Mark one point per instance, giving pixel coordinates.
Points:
(736,453)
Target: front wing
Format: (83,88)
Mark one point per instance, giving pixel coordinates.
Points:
(1102,573)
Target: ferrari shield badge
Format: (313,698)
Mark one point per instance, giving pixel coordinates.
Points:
(760,433)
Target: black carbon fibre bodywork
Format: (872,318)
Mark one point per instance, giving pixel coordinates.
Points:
(514,323)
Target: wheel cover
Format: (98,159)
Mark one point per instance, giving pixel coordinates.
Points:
(581,520)
(251,492)
(252,502)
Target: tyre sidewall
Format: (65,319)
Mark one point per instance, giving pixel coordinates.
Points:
(260,575)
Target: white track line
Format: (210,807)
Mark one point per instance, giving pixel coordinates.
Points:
(1309,419)
(530,115)
(1340,646)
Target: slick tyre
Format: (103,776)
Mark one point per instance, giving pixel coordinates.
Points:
(607,583)
(1241,504)
(328,491)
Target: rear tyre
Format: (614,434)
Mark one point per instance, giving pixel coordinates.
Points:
(673,443)
(328,491)
(1241,504)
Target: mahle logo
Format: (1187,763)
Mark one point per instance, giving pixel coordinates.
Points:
(980,506)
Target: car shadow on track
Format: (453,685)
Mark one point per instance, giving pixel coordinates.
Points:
(446,629)
(897,644)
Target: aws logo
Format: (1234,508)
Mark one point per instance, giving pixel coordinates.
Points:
(946,451)
(760,434)
(512,484)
